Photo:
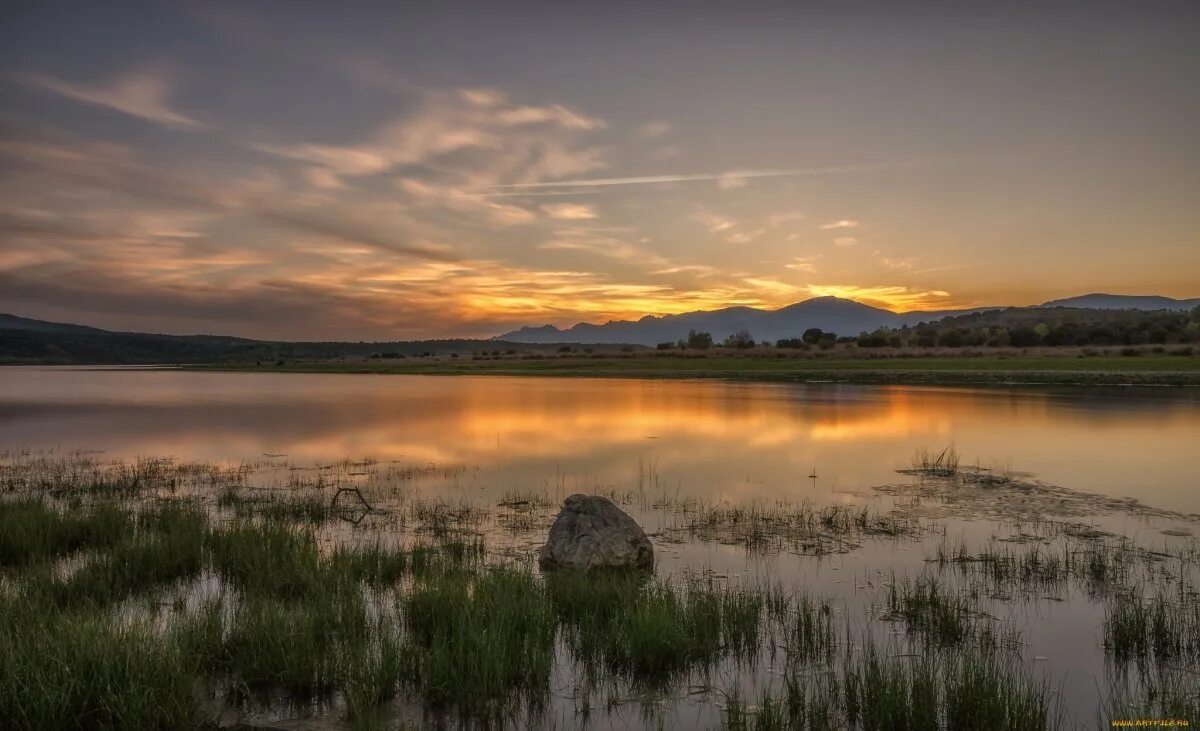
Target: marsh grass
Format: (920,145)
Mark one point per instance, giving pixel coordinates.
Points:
(1097,565)
(795,527)
(313,508)
(876,689)
(150,595)
(482,643)
(83,671)
(943,464)
(166,545)
(1153,629)
(33,530)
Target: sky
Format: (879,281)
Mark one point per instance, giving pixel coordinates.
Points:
(371,171)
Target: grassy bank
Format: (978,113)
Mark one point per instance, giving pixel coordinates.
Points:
(1143,369)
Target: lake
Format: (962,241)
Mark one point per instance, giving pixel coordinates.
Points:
(721,440)
(1118,461)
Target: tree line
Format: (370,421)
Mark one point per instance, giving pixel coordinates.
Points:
(1013,327)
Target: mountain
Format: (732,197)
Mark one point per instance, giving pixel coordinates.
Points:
(1101,301)
(831,314)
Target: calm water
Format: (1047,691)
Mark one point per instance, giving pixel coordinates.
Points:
(719,440)
(708,440)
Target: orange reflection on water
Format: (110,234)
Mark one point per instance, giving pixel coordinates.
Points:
(712,439)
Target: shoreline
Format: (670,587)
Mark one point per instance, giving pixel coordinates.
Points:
(1019,371)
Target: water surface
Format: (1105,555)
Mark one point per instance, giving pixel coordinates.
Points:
(720,440)
(477,439)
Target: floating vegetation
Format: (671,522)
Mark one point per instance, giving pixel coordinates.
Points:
(789,527)
(942,464)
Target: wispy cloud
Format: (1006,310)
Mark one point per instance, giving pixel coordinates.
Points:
(569,211)
(845,241)
(142,94)
(775,220)
(745,237)
(805,264)
(475,136)
(844,223)
(653,130)
(714,222)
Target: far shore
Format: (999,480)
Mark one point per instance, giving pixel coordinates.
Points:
(1144,369)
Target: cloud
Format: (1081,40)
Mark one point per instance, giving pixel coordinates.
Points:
(845,241)
(141,94)
(556,113)
(476,138)
(653,129)
(604,246)
(105,175)
(776,220)
(844,223)
(714,222)
(457,199)
(569,211)
(906,264)
(745,237)
(805,264)
(731,182)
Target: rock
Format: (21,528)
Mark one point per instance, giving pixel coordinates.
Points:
(591,532)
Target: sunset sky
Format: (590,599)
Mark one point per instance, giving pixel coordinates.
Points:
(371,171)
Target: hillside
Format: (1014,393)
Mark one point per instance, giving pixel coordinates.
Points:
(23,340)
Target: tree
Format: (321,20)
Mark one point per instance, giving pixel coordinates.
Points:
(699,340)
(951,339)
(740,339)
(812,336)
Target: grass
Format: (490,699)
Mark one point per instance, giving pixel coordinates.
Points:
(481,643)
(944,463)
(1158,628)
(876,690)
(84,671)
(167,546)
(33,530)
(797,527)
(1065,369)
(1101,567)
(156,611)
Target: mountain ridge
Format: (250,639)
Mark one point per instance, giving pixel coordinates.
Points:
(830,314)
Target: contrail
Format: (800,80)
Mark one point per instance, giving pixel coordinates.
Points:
(731,174)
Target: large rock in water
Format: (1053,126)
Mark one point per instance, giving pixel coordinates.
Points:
(591,532)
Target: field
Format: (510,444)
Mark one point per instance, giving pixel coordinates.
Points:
(164,594)
(1068,368)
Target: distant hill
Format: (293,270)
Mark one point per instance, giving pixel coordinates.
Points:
(1100,301)
(830,314)
(12,322)
(23,340)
